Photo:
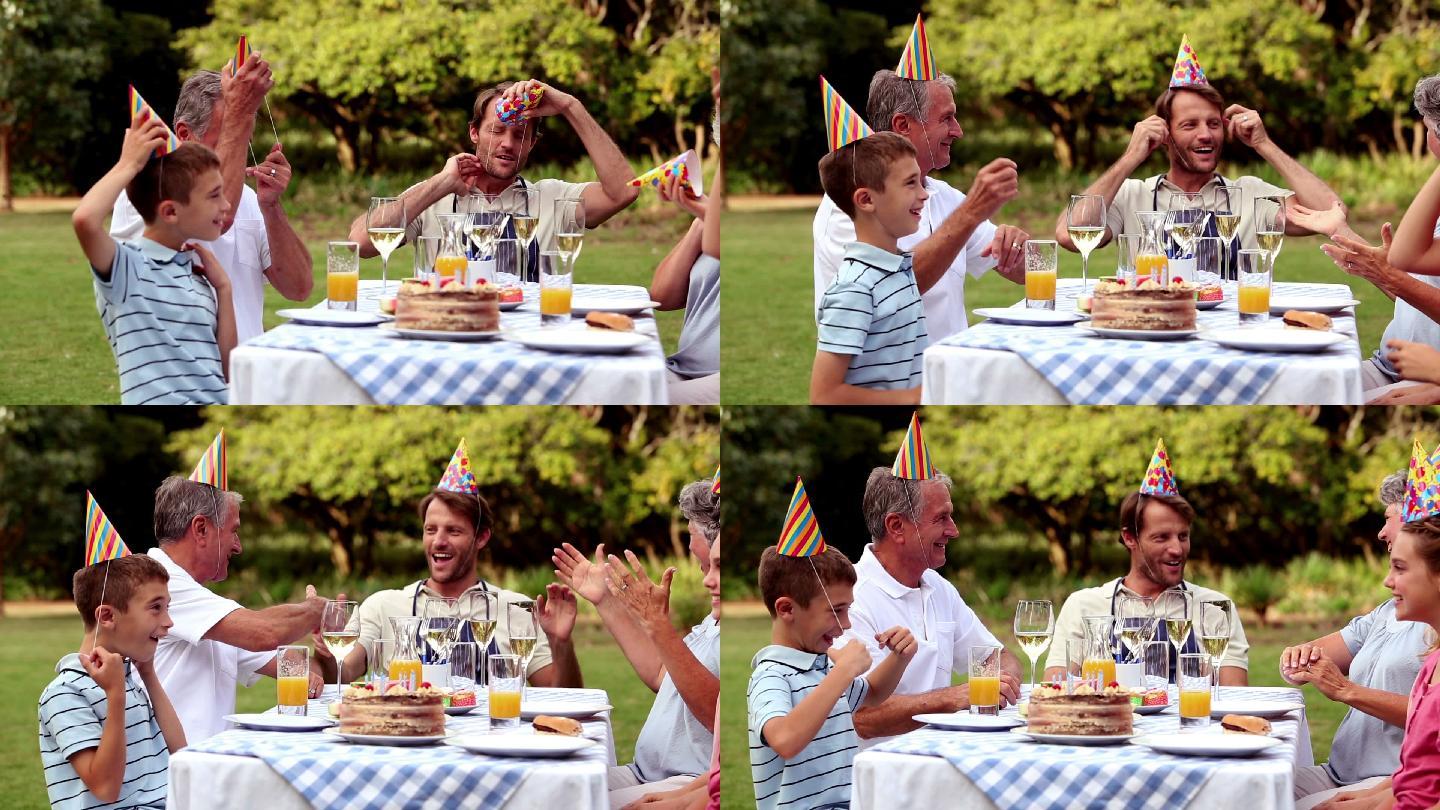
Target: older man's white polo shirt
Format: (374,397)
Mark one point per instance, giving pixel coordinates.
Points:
(944,626)
(199,674)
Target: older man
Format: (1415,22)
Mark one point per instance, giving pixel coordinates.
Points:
(258,243)
(501,151)
(215,643)
(910,523)
(955,237)
(675,744)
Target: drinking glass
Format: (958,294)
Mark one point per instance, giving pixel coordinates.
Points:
(569,229)
(507,254)
(442,625)
(523,631)
(556,288)
(1085,222)
(506,682)
(1255,268)
(1157,669)
(405,665)
(1177,608)
(1215,627)
(454,235)
(524,207)
(1270,225)
(1099,662)
(1194,677)
(1136,619)
(292,679)
(385,223)
(335,632)
(487,222)
(482,610)
(1128,250)
(985,679)
(377,663)
(1185,219)
(1034,627)
(427,250)
(1152,261)
(342,275)
(1207,258)
(463,656)
(1228,202)
(1041,260)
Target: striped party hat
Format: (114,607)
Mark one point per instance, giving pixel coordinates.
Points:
(842,124)
(102,542)
(913,460)
(1187,72)
(801,536)
(715,486)
(213,469)
(137,105)
(458,475)
(242,55)
(1159,476)
(1422,494)
(915,61)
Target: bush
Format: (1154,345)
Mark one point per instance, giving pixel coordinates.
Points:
(1256,588)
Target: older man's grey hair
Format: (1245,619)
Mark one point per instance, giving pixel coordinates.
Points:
(197,101)
(179,500)
(1392,489)
(886,493)
(891,95)
(1427,97)
(700,503)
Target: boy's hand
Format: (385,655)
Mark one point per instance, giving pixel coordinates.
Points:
(146,133)
(107,668)
(852,659)
(209,266)
(683,197)
(900,641)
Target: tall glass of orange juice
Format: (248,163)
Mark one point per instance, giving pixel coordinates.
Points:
(292,679)
(507,679)
(556,286)
(1041,260)
(985,679)
(1193,677)
(342,275)
(1254,280)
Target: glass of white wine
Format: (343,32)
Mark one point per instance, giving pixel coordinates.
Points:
(1136,623)
(569,230)
(1185,220)
(1085,222)
(524,207)
(482,611)
(339,639)
(1177,608)
(523,631)
(385,224)
(442,624)
(1034,627)
(487,222)
(1270,226)
(1228,202)
(1215,628)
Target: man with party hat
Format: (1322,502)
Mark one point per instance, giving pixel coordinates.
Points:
(1155,529)
(955,237)
(107,727)
(456,524)
(907,510)
(1191,122)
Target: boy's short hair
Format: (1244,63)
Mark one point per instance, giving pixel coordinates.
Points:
(126,575)
(171,177)
(793,577)
(861,164)
(1166,101)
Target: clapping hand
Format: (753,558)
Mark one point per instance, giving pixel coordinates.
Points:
(648,602)
(583,576)
(555,610)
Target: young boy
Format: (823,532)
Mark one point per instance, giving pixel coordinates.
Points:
(872,323)
(802,691)
(168,317)
(100,735)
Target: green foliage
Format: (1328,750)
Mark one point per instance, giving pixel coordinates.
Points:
(1256,588)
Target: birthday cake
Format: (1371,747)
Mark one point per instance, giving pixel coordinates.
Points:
(1148,307)
(452,308)
(399,712)
(1085,712)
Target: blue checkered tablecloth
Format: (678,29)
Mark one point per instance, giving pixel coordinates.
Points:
(333,774)
(1016,772)
(1091,370)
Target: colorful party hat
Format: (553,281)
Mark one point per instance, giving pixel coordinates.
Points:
(137,105)
(913,460)
(801,536)
(1160,477)
(842,124)
(213,469)
(102,542)
(1187,71)
(242,55)
(511,111)
(1422,494)
(715,487)
(685,166)
(458,476)
(915,61)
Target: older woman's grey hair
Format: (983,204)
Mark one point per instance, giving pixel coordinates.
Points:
(885,493)
(891,95)
(698,502)
(179,500)
(1392,489)
(1427,97)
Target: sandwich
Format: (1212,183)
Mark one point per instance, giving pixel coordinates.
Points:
(612,321)
(563,726)
(1245,724)
(1300,319)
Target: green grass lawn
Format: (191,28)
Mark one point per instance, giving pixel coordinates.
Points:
(769,322)
(29,648)
(746,635)
(53,349)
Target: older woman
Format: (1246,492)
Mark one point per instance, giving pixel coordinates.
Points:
(675,744)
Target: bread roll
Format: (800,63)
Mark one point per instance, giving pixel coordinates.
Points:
(1245,724)
(610,320)
(1300,319)
(563,726)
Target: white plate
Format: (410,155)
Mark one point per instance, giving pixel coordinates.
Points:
(575,711)
(453,710)
(1273,340)
(580,305)
(331,317)
(1030,317)
(1327,306)
(585,341)
(429,334)
(1077,739)
(964,721)
(507,306)
(1207,744)
(520,745)
(1140,334)
(279,722)
(1205,305)
(1268,709)
(1151,709)
(376,739)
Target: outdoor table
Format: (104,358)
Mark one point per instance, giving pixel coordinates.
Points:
(1007,770)
(1003,364)
(244,769)
(295,364)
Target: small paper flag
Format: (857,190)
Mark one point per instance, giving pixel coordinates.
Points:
(801,536)
(715,487)
(1187,71)
(102,542)
(1159,477)
(139,104)
(213,469)
(913,460)
(1422,494)
(512,111)
(458,476)
(685,166)
(842,124)
(242,55)
(915,61)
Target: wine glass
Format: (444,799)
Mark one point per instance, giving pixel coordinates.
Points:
(524,207)
(335,632)
(1136,625)
(1177,608)
(1216,624)
(1034,627)
(385,223)
(1228,202)
(523,630)
(1185,219)
(487,221)
(1085,222)
(569,230)
(441,624)
(482,610)
(1270,225)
